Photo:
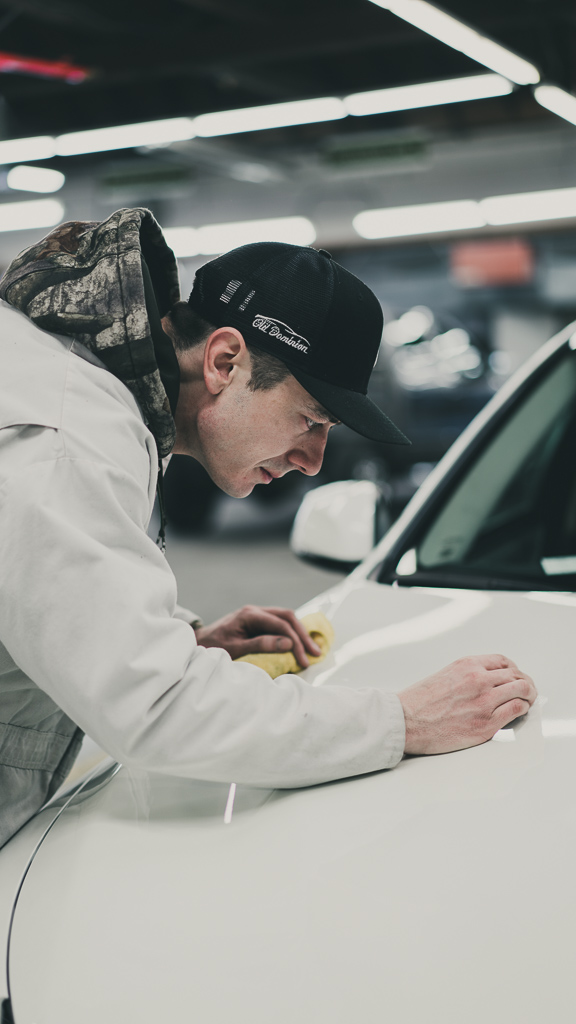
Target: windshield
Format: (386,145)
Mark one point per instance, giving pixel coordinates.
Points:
(512,516)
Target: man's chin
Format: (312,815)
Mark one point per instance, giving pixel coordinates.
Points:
(240,487)
(237,490)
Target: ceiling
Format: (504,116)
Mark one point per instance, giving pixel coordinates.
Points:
(147,60)
(150,60)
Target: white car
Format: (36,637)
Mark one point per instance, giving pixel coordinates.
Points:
(442,891)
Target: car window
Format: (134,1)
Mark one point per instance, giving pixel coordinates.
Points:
(512,516)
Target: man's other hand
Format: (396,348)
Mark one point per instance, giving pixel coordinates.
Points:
(253,630)
(464,704)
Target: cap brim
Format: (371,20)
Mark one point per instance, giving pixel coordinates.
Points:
(356,411)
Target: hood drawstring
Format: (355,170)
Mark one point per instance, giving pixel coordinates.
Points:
(161,538)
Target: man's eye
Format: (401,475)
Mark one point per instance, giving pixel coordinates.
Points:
(312,423)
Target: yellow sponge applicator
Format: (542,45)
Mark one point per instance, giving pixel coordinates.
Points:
(282,662)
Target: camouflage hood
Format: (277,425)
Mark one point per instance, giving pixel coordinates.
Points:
(107,285)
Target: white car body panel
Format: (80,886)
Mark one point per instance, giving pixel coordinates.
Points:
(440,891)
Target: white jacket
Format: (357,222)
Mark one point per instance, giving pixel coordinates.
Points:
(89,623)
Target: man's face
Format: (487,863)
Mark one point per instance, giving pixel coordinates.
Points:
(245,437)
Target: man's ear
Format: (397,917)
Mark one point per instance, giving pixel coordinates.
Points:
(225,354)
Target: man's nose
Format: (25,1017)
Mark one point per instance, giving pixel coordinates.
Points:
(308,456)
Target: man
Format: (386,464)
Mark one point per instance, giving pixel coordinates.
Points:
(276,343)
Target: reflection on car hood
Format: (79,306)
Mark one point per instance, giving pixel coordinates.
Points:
(442,890)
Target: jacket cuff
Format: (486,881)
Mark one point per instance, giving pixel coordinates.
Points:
(397,735)
(187,616)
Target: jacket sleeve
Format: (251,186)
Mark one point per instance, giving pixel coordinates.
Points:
(187,616)
(88,612)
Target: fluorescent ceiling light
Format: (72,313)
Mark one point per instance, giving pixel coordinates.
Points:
(15,151)
(454,33)
(176,129)
(34,179)
(249,119)
(217,238)
(428,94)
(463,214)
(524,207)
(36,213)
(126,136)
(273,115)
(558,101)
(184,241)
(426,218)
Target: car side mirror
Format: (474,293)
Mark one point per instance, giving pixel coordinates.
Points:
(336,525)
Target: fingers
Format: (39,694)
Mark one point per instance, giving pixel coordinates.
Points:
(506,713)
(519,685)
(253,630)
(289,616)
(263,622)
(263,645)
(512,690)
(493,662)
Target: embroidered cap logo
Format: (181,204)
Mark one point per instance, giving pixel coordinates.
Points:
(280,331)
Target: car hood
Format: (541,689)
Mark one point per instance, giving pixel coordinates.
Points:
(442,890)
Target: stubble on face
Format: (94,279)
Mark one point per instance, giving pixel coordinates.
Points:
(248,437)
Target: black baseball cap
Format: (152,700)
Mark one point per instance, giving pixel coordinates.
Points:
(301,306)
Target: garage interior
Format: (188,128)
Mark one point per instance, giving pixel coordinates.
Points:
(181,108)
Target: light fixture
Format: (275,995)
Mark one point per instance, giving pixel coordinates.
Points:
(427,94)
(244,170)
(525,207)
(557,100)
(38,147)
(464,214)
(249,119)
(426,218)
(176,129)
(126,136)
(409,327)
(273,115)
(60,69)
(217,238)
(35,213)
(463,38)
(184,241)
(34,179)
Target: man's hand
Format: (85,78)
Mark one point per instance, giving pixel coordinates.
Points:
(259,630)
(464,704)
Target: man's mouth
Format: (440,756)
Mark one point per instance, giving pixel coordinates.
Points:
(268,476)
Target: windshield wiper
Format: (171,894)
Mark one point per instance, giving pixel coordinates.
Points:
(462,582)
